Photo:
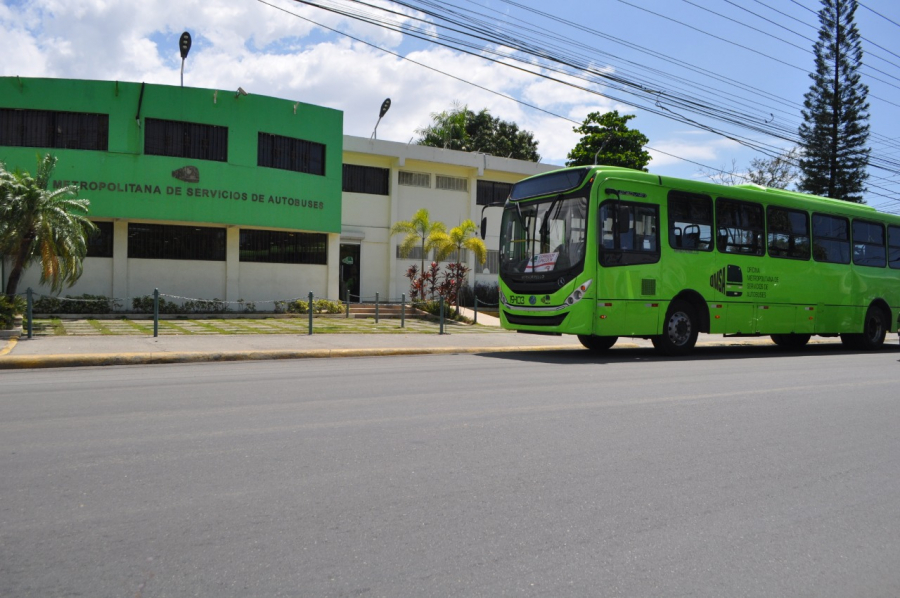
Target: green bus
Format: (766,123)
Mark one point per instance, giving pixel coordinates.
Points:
(605,252)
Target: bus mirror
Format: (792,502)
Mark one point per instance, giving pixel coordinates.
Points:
(483,227)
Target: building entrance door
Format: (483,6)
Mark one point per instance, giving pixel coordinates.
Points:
(349,271)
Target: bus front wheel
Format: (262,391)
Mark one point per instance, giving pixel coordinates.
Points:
(597,344)
(680,330)
(790,341)
(874,331)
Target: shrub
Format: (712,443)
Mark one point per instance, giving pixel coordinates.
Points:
(320,306)
(10,307)
(81,304)
(144,305)
(488,295)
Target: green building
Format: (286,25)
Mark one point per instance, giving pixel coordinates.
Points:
(206,193)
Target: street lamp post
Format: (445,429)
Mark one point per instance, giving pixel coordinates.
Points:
(184,44)
(385,106)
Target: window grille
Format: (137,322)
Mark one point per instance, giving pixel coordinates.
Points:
(279,247)
(366,179)
(100,243)
(171,242)
(50,129)
(185,140)
(288,153)
(451,183)
(492,263)
(492,193)
(415,179)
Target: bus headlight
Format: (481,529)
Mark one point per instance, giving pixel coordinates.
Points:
(578,293)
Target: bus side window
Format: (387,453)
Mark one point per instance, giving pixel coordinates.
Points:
(868,244)
(690,221)
(788,233)
(831,239)
(741,227)
(894,246)
(630,233)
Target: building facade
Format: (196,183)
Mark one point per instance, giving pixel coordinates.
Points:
(208,194)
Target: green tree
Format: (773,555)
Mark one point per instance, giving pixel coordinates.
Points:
(608,138)
(37,224)
(835,128)
(459,238)
(462,129)
(421,232)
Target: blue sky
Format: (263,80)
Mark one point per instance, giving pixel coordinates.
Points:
(267,51)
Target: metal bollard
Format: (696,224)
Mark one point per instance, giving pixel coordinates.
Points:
(442,315)
(403,310)
(347,295)
(311,308)
(155,313)
(28,312)
(376,308)
(476,309)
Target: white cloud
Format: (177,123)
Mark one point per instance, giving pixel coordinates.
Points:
(268,51)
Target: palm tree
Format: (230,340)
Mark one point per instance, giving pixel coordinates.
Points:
(39,224)
(421,232)
(459,238)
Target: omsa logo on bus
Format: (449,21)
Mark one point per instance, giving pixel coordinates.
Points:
(728,281)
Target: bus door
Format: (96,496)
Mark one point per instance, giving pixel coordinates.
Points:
(629,253)
(740,241)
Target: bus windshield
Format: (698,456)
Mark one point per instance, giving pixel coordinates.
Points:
(544,236)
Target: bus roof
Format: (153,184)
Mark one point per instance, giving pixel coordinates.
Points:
(787,198)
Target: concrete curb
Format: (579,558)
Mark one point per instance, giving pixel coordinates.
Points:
(17,362)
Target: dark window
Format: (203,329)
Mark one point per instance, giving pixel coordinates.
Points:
(690,221)
(492,193)
(287,153)
(277,247)
(788,233)
(894,246)
(831,239)
(100,244)
(46,128)
(185,140)
(366,179)
(170,242)
(868,244)
(629,233)
(740,227)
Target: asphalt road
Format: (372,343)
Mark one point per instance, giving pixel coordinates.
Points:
(740,472)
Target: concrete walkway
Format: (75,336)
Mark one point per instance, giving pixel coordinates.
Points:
(136,348)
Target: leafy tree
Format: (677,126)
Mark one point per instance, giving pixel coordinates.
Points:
(462,129)
(459,238)
(835,128)
(39,224)
(421,232)
(609,135)
(778,172)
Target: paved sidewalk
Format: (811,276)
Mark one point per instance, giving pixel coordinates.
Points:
(143,348)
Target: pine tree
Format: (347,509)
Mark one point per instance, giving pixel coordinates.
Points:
(835,128)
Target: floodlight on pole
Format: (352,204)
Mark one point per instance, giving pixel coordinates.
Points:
(184,44)
(385,106)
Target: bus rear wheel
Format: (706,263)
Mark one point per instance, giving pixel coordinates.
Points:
(597,344)
(791,341)
(874,331)
(679,330)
